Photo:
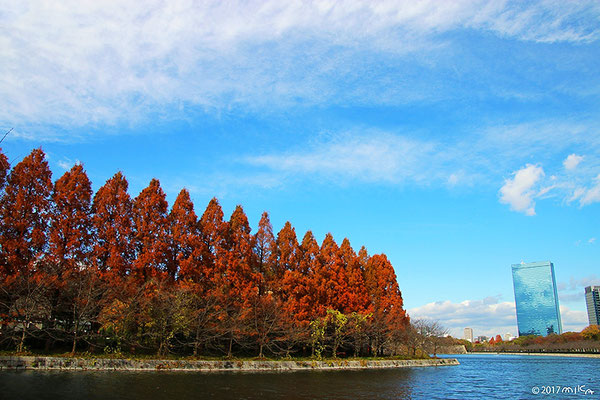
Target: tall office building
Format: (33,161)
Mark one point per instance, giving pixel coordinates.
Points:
(469,334)
(592,300)
(536,298)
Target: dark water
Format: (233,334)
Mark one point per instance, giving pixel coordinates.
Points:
(478,377)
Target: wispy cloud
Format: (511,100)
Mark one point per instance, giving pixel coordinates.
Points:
(379,157)
(480,157)
(67,163)
(89,63)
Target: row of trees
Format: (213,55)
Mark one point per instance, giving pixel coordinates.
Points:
(588,340)
(112,272)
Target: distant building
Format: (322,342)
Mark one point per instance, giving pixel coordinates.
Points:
(469,334)
(536,299)
(481,339)
(508,337)
(592,301)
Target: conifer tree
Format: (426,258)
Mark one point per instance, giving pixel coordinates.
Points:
(213,231)
(286,258)
(298,283)
(24,212)
(355,292)
(71,235)
(152,233)
(236,282)
(70,244)
(187,247)
(264,247)
(113,224)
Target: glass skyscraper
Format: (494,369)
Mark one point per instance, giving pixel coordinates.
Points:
(536,298)
(592,301)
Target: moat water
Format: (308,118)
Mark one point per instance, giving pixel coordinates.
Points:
(482,376)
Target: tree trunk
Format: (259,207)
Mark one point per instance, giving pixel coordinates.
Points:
(22,343)
(196,343)
(229,353)
(75,329)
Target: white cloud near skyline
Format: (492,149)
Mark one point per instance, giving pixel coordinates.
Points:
(89,63)
(488,316)
(572,161)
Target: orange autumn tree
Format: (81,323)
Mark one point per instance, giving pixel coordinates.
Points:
(113,224)
(213,233)
(151,234)
(297,282)
(333,284)
(187,246)
(70,242)
(264,249)
(285,258)
(236,283)
(123,274)
(386,299)
(24,212)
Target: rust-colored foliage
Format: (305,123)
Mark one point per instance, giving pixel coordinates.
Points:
(213,232)
(384,293)
(286,252)
(236,278)
(116,272)
(113,223)
(264,248)
(71,235)
(4,167)
(187,246)
(355,296)
(152,233)
(24,212)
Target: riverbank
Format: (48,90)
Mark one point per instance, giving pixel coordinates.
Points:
(109,364)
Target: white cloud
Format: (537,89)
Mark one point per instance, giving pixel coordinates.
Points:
(67,163)
(377,156)
(573,320)
(488,316)
(518,192)
(76,63)
(572,161)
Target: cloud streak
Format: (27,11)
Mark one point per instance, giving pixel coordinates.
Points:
(90,63)
(375,156)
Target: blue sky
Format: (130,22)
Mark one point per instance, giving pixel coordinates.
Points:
(456,137)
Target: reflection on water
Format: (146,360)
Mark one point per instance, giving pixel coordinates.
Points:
(478,376)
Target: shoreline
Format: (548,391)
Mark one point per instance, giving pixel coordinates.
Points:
(113,364)
(532,353)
